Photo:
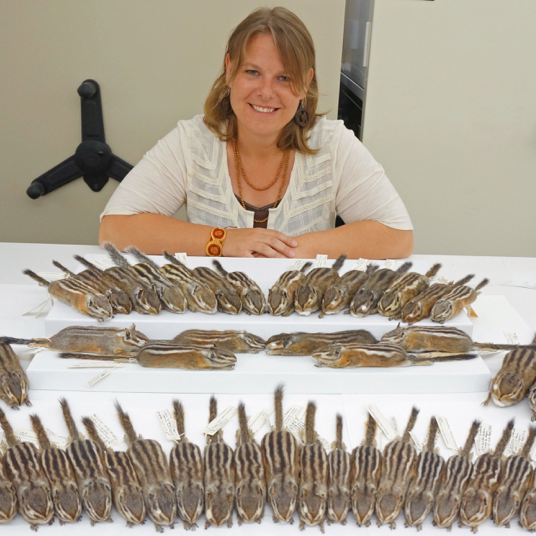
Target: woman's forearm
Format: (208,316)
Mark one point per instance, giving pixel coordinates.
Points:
(362,239)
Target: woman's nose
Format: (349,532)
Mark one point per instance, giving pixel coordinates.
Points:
(266,88)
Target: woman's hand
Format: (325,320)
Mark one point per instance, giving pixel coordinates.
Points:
(258,243)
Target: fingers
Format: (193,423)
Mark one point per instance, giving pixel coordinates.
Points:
(258,242)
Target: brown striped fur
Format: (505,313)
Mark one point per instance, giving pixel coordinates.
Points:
(228,299)
(339,463)
(281,294)
(14,384)
(8,496)
(235,341)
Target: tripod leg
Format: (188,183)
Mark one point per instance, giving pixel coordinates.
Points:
(59,175)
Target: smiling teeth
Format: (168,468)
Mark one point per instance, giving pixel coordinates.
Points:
(265,110)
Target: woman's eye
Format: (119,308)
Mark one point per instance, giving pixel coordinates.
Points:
(253,72)
(284,78)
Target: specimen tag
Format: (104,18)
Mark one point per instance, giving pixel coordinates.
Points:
(389,263)
(169,425)
(291,415)
(360,265)
(383,423)
(483,439)
(182,257)
(103,263)
(395,426)
(102,364)
(257,422)
(441,279)
(220,421)
(297,265)
(511,337)
(23,434)
(107,436)
(471,312)
(320,261)
(416,441)
(446,433)
(516,442)
(52,276)
(100,376)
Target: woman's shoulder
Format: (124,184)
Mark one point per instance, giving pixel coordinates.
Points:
(194,126)
(326,132)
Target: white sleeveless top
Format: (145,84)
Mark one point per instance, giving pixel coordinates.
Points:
(189,166)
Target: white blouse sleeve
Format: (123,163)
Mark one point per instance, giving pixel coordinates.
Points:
(363,191)
(158,183)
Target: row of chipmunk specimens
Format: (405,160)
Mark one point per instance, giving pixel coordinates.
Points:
(148,288)
(293,475)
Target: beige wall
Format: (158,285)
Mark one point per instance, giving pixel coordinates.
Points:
(451,114)
(154,61)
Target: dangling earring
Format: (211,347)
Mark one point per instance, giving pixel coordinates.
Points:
(225,103)
(301,117)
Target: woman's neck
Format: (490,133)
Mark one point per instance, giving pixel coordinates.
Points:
(251,146)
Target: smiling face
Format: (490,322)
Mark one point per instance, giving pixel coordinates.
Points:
(261,94)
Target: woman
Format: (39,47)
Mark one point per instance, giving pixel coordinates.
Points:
(261,164)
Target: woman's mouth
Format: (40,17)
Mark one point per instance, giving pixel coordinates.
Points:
(263,110)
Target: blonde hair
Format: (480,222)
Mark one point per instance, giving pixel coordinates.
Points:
(296,49)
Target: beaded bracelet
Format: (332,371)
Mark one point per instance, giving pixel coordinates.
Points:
(215,242)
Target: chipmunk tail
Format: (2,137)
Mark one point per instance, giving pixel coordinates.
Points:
(68,418)
(220,268)
(87,264)
(411,423)
(482,284)
(433,270)
(38,428)
(115,255)
(371,268)
(473,431)
(525,452)
(339,262)
(306,267)
(310,413)
(178,413)
(140,257)
(278,406)
(463,280)
(243,423)
(533,340)
(62,268)
(91,357)
(491,346)
(338,431)
(432,434)
(37,278)
(92,432)
(212,409)
(126,424)
(11,440)
(404,268)
(14,340)
(370,430)
(505,438)
(171,258)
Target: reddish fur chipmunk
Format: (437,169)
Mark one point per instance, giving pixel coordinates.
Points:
(8,496)
(281,294)
(308,296)
(251,295)
(423,489)
(228,298)
(250,478)
(366,472)
(516,479)
(78,295)
(23,469)
(87,460)
(281,458)
(477,500)
(454,483)
(398,471)
(527,513)
(188,473)
(314,475)
(14,384)
(219,477)
(126,489)
(339,478)
(60,474)
(240,342)
(152,468)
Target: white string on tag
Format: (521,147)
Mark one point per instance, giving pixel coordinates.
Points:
(383,423)
(169,425)
(360,265)
(320,261)
(483,439)
(220,421)
(41,308)
(107,436)
(389,263)
(99,377)
(446,433)
(182,257)
(297,265)
(100,364)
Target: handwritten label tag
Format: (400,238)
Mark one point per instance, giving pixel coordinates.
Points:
(320,261)
(107,436)
(256,423)
(23,434)
(221,420)
(441,279)
(483,439)
(104,263)
(511,337)
(99,377)
(52,276)
(101,364)
(446,433)
(389,263)
(516,442)
(297,265)
(182,257)
(383,423)
(395,426)
(360,265)
(416,441)
(169,424)
(292,414)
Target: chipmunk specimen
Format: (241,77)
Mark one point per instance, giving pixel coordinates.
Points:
(532,401)
(251,295)
(14,383)
(365,475)
(404,289)
(302,343)
(144,299)
(365,300)
(455,301)
(339,478)
(281,458)
(228,298)
(87,460)
(423,489)
(171,296)
(516,479)
(60,474)
(338,297)
(477,500)
(124,342)
(119,300)
(308,296)
(23,469)
(152,468)
(314,475)
(8,496)
(78,295)
(515,377)
(454,483)
(240,342)
(219,477)
(250,478)
(281,295)
(420,307)
(199,295)
(188,473)
(398,471)
(126,489)
(527,512)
